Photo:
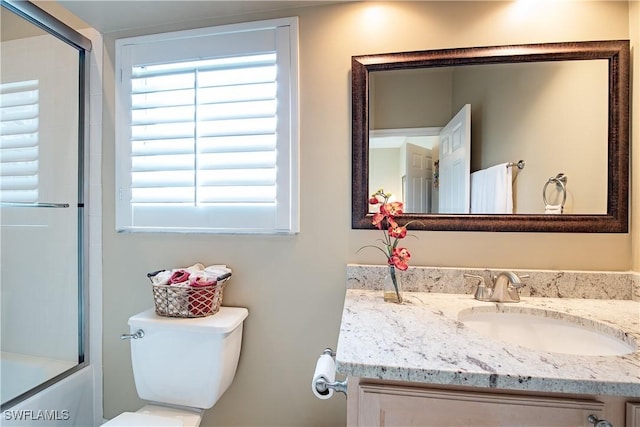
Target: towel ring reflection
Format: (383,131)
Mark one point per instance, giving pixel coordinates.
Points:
(561,181)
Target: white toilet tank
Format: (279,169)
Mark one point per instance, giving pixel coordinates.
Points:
(187,362)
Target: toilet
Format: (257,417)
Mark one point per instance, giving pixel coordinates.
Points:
(181,366)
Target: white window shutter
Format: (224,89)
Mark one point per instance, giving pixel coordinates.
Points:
(209,144)
(19,139)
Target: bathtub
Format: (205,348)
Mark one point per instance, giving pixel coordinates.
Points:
(20,372)
(67,402)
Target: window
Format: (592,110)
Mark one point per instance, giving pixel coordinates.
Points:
(19,124)
(207,133)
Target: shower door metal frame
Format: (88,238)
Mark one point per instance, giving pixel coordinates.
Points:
(59,29)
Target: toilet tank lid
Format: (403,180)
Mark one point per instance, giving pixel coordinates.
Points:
(225,320)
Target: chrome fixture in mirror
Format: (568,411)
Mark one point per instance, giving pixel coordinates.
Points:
(607,171)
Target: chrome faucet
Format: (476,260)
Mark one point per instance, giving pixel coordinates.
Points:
(504,287)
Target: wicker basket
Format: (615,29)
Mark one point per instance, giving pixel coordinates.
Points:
(188,301)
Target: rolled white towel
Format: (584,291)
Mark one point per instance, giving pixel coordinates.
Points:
(162,277)
(215,271)
(553,209)
(195,268)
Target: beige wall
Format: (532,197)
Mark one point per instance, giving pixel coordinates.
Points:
(634,35)
(294,285)
(410,98)
(385,170)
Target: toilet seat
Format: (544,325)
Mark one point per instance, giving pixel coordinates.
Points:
(135,419)
(157,416)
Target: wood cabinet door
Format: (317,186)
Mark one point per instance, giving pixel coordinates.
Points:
(412,406)
(633,414)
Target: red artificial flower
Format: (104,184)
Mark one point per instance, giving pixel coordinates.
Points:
(392,231)
(400,258)
(397,231)
(391,209)
(377,220)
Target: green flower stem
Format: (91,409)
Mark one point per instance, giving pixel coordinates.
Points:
(392,272)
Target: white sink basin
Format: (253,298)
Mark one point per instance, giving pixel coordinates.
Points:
(548,331)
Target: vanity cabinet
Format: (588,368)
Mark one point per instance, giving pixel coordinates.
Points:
(461,378)
(387,403)
(633,414)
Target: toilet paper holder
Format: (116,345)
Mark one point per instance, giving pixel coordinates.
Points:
(323,386)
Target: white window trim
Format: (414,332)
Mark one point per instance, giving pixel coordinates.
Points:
(287,220)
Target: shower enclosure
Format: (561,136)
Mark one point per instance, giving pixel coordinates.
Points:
(42,212)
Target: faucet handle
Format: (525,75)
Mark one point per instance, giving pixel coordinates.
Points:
(482,293)
(519,284)
(475,276)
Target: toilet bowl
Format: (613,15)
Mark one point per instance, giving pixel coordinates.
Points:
(181,366)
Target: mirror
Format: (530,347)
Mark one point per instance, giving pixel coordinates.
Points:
(527,113)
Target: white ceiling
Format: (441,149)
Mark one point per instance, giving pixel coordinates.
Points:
(108,16)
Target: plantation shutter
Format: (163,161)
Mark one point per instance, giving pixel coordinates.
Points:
(208,138)
(19,123)
(204,132)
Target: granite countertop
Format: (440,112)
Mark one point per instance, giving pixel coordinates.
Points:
(423,341)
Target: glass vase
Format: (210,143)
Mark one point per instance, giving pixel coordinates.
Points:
(392,286)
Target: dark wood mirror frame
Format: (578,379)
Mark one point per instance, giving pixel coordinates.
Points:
(615,51)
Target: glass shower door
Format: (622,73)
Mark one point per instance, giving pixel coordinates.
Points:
(40,208)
